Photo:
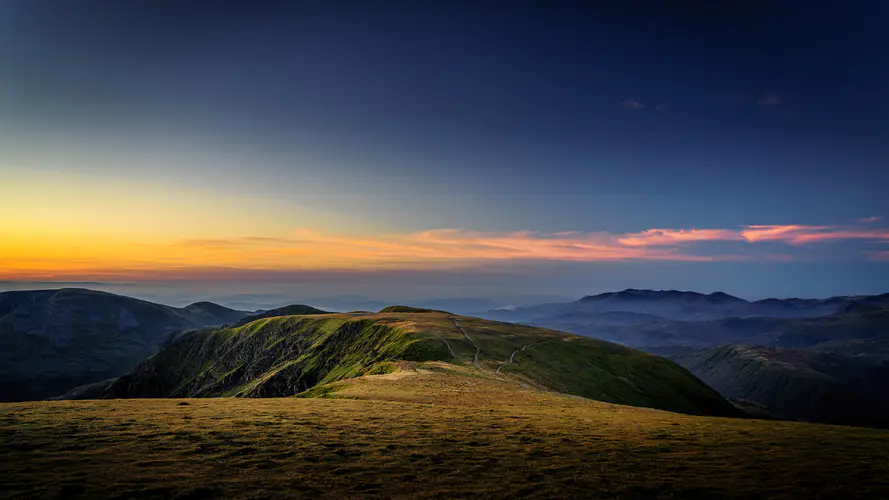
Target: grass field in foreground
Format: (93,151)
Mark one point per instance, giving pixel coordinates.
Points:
(428,431)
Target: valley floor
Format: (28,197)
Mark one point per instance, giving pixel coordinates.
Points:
(423,433)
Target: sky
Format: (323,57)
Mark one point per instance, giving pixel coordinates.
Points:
(441,149)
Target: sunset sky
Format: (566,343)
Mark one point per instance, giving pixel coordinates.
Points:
(444,148)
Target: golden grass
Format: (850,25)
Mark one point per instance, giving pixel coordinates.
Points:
(432,430)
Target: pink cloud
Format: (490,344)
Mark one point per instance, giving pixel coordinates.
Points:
(452,245)
(870,220)
(304,250)
(798,235)
(775,233)
(461,245)
(661,237)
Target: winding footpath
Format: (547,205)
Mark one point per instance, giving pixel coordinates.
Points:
(477,350)
(512,356)
(453,354)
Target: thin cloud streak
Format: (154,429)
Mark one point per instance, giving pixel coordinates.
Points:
(660,237)
(438,249)
(800,235)
(790,234)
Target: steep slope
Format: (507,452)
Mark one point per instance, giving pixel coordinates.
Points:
(798,384)
(53,340)
(286,356)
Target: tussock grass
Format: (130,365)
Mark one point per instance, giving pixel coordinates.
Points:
(426,430)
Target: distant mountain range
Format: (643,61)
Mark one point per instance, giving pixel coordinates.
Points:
(684,306)
(839,347)
(355,302)
(811,359)
(53,340)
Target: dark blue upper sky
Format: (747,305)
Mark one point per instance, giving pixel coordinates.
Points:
(488,116)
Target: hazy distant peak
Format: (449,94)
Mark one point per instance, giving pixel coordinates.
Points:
(646,294)
(723,297)
(207,306)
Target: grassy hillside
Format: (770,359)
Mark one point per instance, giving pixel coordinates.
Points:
(429,430)
(285,356)
(54,340)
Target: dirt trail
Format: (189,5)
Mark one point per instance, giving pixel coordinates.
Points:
(453,354)
(477,350)
(512,356)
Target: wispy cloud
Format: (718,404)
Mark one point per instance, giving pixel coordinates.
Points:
(790,234)
(440,249)
(870,220)
(661,237)
(633,104)
(799,235)
(661,107)
(769,99)
(457,244)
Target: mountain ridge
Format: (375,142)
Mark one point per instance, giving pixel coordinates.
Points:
(292,355)
(54,340)
(686,305)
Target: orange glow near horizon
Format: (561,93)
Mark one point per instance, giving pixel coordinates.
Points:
(69,228)
(45,258)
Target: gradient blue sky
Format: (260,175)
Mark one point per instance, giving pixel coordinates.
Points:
(360,119)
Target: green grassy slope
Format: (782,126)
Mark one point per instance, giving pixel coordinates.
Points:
(269,357)
(286,356)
